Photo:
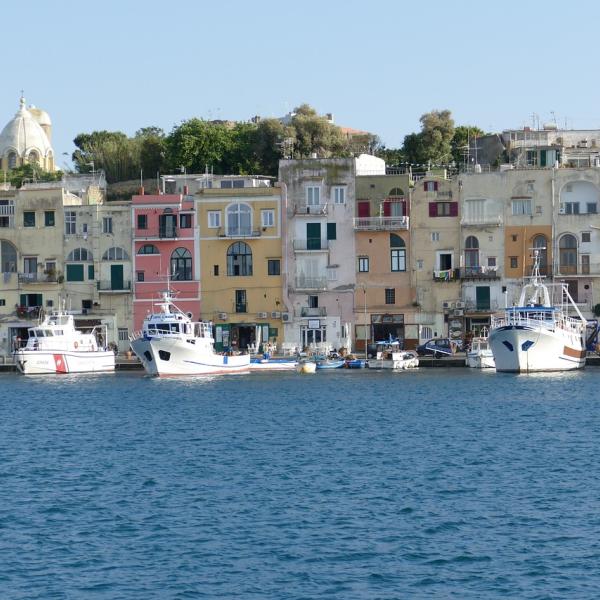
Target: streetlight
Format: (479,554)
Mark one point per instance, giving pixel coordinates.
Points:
(364,287)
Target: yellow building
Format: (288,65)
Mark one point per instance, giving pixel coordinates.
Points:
(240,240)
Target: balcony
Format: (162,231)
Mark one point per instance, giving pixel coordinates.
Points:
(167,232)
(238,232)
(37,278)
(482,307)
(446,275)
(307,311)
(311,283)
(478,273)
(444,194)
(310,245)
(578,270)
(114,287)
(482,221)
(381,223)
(302,208)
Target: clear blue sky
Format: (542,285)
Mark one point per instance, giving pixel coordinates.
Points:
(377,65)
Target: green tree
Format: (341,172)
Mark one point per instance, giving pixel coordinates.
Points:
(152,149)
(460,141)
(437,132)
(313,133)
(30,172)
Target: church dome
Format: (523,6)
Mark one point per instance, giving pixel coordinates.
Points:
(40,115)
(24,136)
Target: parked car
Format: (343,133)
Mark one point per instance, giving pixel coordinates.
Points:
(438,347)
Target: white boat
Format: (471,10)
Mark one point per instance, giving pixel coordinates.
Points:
(273,364)
(171,344)
(390,356)
(539,335)
(480,355)
(55,346)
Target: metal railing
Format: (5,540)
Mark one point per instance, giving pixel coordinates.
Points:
(241,232)
(380,223)
(496,221)
(311,283)
(110,286)
(167,232)
(37,278)
(7,210)
(446,275)
(307,311)
(311,244)
(480,272)
(474,306)
(302,208)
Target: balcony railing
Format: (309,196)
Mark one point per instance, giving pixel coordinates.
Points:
(302,208)
(7,210)
(311,283)
(167,232)
(238,232)
(307,311)
(478,273)
(110,286)
(579,269)
(380,223)
(474,306)
(445,194)
(481,221)
(37,278)
(311,244)
(241,307)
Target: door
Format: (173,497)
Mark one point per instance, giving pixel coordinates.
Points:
(116,277)
(482,297)
(313,236)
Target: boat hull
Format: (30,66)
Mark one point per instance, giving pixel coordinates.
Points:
(162,357)
(522,349)
(480,360)
(306,368)
(273,365)
(42,362)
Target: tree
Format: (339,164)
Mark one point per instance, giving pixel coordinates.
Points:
(152,149)
(313,133)
(460,141)
(30,172)
(437,131)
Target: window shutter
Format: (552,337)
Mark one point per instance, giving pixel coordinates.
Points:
(425,186)
(331,231)
(433,209)
(435,186)
(387,209)
(405,208)
(454,209)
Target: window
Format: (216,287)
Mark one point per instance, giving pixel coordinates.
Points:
(240,301)
(332,274)
(267,217)
(29,218)
(397,253)
(232,183)
(115,253)
(363,264)
(181,264)
(585,264)
(74,272)
(592,207)
(216,270)
(514,262)
(396,193)
(123,334)
(420,264)
(239,260)
(531,158)
(214,219)
(274,266)
(313,302)
(185,221)
(339,195)
(12,160)
(521,206)
(586,236)
(49,218)
(471,255)
(568,254)
(572,208)
(514,237)
(167,225)
(148,249)
(84,228)
(49,303)
(140,275)
(90,272)
(2,302)
(30,267)
(491,261)
(107,225)
(80,255)
(390,296)
(50,268)
(430,186)
(8,257)
(142,221)
(435,236)
(239,219)
(443,209)
(331,231)
(313,195)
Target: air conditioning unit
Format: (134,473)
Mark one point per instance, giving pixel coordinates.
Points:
(460,304)
(275,315)
(223,316)
(448,305)
(285,317)
(261,315)
(459,312)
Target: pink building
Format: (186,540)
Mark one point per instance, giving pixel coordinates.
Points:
(165,246)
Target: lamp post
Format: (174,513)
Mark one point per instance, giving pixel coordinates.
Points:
(364,286)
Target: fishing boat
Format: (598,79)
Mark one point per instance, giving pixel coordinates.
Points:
(55,346)
(331,362)
(479,355)
(356,363)
(391,356)
(171,344)
(539,334)
(269,363)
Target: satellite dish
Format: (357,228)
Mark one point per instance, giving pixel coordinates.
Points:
(190,315)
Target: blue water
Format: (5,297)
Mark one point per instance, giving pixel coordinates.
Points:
(446,483)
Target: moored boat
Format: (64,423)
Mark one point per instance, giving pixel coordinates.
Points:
(56,347)
(306,367)
(390,356)
(539,334)
(330,363)
(171,344)
(479,355)
(272,364)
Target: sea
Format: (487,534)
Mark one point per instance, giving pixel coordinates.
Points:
(432,483)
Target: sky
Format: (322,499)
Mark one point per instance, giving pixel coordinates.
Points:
(377,65)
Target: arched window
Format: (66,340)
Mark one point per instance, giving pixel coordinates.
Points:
(540,243)
(397,253)
(115,253)
(80,255)
(471,255)
(8,257)
(568,254)
(148,249)
(396,192)
(33,157)
(181,264)
(239,260)
(12,160)
(239,219)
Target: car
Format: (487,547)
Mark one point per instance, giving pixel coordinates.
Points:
(437,347)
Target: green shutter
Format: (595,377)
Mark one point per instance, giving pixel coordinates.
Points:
(331,231)
(75,272)
(90,271)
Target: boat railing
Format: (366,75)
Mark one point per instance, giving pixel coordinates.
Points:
(552,321)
